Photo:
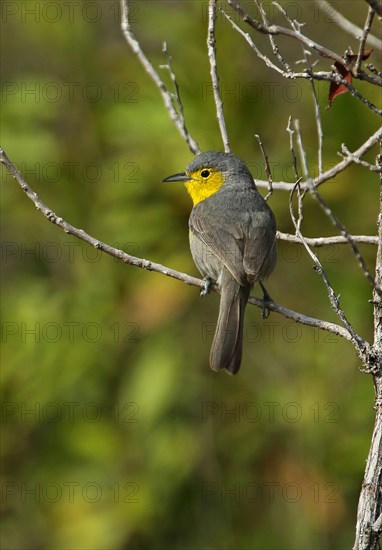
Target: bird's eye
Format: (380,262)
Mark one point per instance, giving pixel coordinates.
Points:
(205,173)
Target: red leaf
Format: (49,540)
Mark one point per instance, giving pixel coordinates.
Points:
(338,89)
(367,54)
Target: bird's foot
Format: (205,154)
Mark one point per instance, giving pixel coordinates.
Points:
(206,288)
(265,311)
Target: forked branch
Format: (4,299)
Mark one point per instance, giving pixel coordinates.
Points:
(176,117)
(152,266)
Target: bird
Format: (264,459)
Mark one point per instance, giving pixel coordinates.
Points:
(232,233)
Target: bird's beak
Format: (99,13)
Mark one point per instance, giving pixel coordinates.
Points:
(182,176)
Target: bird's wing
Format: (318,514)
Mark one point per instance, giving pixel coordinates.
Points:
(226,245)
(259,249)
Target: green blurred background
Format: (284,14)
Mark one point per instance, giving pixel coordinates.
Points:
(115,432)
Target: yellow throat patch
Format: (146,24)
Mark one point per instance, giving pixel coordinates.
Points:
(203,183)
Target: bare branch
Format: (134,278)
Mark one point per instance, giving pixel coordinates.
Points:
(267,167)
(262,56)
(306,54)
(214,74)
(362,42)
(275,48)
(347,236)
(296,27)
(377,80)
(341,166)
(377,300)
(335,221)
(359,344)
(377,526)
(303,319)
(300,193)
(316,104)
(175,96)
(369,525)
(177,118)
(373,69)
(369,516)
(278,30)
(337,78)
(320,135)
(81,234)
(152,266)
(297,35)
(372,167)
(333,76)
(331,173)
(290,131)
(345,24)
(357,341)
(327,241)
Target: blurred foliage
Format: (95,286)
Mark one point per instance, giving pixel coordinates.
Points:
(116,434)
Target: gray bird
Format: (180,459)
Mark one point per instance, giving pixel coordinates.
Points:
(232,241)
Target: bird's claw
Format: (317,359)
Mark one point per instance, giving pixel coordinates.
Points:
(206,286)
(265,311)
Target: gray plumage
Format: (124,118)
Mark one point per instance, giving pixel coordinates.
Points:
(232,240)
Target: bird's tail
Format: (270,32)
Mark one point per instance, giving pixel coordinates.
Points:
(227,344)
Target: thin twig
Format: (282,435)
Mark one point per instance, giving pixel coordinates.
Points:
(362,42)
(267,167)
(359,344)
(374,69)
(331,173)
(339,80)
(274,46)
(327,241)
(334,300)
(175,96)
(301,193)
(290,131)
(167,97)
(214,74)
(262,56)
(333,218)
(308,42)
(278,30)
(292,22)
(341,166)
(320,135)
(377,80)
(333,76)
(317,112)
(303,319)
(372,167)
(345,24)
